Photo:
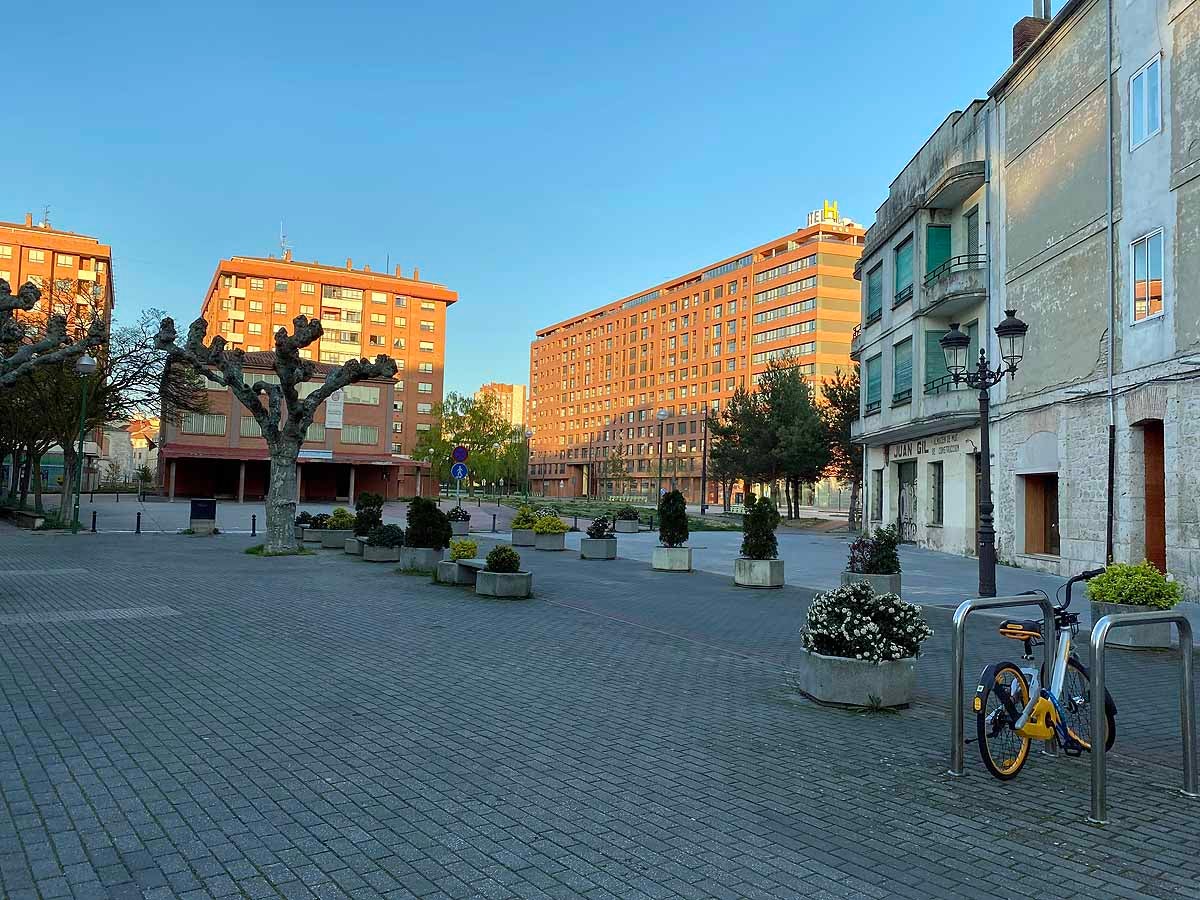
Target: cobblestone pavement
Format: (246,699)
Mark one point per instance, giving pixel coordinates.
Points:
(182,720)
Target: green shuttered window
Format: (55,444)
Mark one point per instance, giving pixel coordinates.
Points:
(902,371)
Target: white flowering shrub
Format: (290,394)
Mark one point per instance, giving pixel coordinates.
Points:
(856,623)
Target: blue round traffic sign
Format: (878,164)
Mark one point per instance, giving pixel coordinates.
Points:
(458,470)
(459,454)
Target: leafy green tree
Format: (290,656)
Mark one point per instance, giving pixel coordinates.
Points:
(476,424)
(796,442)
(839,410)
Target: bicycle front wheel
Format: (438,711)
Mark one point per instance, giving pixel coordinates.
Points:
(1001,701)
(1076,705)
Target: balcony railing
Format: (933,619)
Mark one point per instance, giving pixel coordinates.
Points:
(903,295)
(956,264)
(899,398)
(942,385)
(872,407)
(873,317)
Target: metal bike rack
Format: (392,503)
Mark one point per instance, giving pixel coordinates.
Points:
(1187,703)
(1049,638)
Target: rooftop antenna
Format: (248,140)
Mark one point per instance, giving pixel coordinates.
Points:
(284,246)
(46,216)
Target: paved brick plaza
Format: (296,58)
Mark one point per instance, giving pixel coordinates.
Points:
(181,720)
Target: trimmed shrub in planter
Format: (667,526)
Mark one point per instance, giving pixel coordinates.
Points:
(759,566)
(304,520)
(549,533)
(463,549)
(502,576)
(628,520)
(672,556)
(600,542)
(874,560)
(460,521)
(860,648)
(368,513)
(522,527)
(1126,588)
(317,524)
(384,543)
(339,527)
(427,537)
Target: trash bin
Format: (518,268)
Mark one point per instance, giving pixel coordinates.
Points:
(203,516)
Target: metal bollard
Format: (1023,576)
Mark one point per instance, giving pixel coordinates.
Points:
(479,502)
(137,528)
(253,525)
(493,521)
(576,523)
(93,495)
(93,521)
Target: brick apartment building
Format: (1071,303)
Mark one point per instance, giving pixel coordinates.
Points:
(513,400)
(599,379)
(364,313)
(221,453)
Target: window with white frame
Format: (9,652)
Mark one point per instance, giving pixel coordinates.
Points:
(202,423)
(1145,103)
(1147,267)
(360,434)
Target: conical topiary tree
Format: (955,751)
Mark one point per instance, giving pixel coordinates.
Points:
(672,520)
(758,529)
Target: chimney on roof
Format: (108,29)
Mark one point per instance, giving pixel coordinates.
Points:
(349,263)
(399,273)
(287,255)
(29,220)
(416,274)
(1026,31)
(366,267)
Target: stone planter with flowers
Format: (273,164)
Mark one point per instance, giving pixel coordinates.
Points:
(627,521)
(502,576)
(549,532)
(339,527)
(600,542)
(522,527)
(460,521)
(1125,588)
(860,648)
(874,560)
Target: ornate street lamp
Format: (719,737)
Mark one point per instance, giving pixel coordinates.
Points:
(528,475)
(956,346)
(85,366)
(662,415)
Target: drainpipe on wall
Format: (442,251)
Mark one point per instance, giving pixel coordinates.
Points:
(1112,303)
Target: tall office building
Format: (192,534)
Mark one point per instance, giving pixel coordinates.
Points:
(364,313)
(599,380)
(512,399)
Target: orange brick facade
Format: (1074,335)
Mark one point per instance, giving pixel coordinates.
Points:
(512,399)
(74,271)
(364,313)
(598,380)
(222,454)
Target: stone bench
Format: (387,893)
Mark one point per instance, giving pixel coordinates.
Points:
(23,518)
(460,571)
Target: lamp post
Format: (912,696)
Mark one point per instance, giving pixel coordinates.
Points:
(662,415)
(528,480)
(704,464)
(84,366)
(956,345)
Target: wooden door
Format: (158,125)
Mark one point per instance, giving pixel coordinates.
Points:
(1156,495)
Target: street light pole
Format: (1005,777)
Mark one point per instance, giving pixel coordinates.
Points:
(704,464)
(84,366)
(528,460)
(955,344)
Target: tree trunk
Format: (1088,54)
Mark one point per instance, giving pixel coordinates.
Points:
(37,483)
(852,518)
(26,474)
(281,500)
(18,465)
(796,486)
(66,501)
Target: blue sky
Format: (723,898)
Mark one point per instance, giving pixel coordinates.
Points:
(540,158)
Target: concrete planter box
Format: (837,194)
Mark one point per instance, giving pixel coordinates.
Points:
(853,682)
(758,573)
(450,572)
(672,559)
(335,538)
(883,584)
(299,530)
(311,535)
(354,546)
(381,554)
(522,537)
(598,548)
(550,542)
(1156,636)
(460,528)
(626,526)
(514,585)
(422,558)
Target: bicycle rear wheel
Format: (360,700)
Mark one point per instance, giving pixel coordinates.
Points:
(1076,705)
(1003,693)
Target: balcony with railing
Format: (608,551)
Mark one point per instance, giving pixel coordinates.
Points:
(955,285)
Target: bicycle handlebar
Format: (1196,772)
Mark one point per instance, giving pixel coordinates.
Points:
(1082,576)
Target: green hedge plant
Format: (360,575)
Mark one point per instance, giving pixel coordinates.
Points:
(428,526)
(319,522)
(463,548)
(341,520)
(549,524)
(672,520)
(600,528)
(304,520)
(876,554)
(386,536)
(758,529)
(1135,585)
(503,558)
(628,514)
(525,519)
(368,512)
(458,514)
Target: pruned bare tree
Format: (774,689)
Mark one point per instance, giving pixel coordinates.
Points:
(283,436)
(52,345)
